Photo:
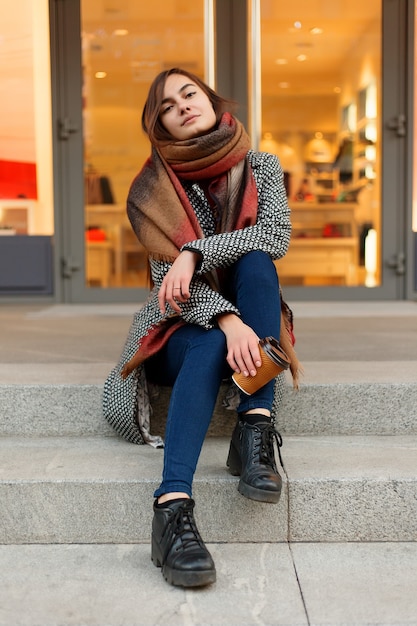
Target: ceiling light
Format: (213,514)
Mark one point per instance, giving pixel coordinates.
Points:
(100,74)
(337,90)
(302,57)
(281,61)
(120,32)
(298,24)
(316,31)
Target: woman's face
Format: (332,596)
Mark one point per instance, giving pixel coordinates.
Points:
(186,111)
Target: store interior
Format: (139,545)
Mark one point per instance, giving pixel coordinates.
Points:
(320,103)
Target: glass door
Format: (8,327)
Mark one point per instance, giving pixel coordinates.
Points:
(321,108)
(123,48)
(108,54)
(331,104)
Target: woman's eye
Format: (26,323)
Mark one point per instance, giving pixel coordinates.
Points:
(190,94)
(167,108)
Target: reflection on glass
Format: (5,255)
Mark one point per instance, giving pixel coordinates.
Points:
(26,192)
(321,77)
(123,48)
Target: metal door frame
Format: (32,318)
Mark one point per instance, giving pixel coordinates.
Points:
(68,147)
(66,60)
(396,37)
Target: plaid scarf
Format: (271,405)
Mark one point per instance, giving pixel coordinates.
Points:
(162,216)
(164,220)
(158,207)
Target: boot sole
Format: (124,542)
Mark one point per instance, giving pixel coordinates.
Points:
(180,578)
(260,495)
(188,579)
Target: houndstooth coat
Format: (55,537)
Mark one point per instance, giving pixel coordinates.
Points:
(126,403)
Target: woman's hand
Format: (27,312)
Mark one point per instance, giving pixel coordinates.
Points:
(242,344)
(176,284)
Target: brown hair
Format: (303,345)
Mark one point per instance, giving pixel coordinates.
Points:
(151,123)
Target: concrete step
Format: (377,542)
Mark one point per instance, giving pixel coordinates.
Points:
(257,584)
(99,490)
(347,404)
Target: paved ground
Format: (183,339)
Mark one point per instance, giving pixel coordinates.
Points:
(257,585)
(263,584)
(349,339)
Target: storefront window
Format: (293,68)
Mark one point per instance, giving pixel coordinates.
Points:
(26,205)
(26,187)
(124,46)
(320,115)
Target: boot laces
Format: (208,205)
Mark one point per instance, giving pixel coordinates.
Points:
(269,437)
(184,528)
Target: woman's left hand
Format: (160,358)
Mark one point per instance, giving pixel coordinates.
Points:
(242,344)
(175,287)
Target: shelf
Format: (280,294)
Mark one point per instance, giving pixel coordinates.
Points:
(313,255)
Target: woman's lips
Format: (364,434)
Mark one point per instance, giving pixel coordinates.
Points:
(190,118)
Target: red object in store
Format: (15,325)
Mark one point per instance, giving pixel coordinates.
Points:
(95,234)
(18,180)
(331,230)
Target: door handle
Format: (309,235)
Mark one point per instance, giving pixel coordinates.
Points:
(398,124)
(69,266)
(397,263)
(66,128)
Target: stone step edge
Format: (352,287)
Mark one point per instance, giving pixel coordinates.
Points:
(91,491)
(315,372)
(369,408)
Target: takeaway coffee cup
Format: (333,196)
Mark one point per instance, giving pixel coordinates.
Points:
(274,361)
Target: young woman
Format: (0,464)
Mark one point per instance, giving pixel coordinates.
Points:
(212,215)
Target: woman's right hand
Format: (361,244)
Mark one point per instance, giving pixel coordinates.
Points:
(175,286)
(242,344)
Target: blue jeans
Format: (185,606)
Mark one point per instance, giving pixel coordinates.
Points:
(194,363)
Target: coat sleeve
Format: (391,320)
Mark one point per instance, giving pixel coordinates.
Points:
(204,304)
(270,234)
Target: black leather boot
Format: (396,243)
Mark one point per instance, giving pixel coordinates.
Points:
(177,546)
(252,457)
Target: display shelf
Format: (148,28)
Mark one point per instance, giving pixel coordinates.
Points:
(18,214)
(324,180)
(112,218)
(324,242)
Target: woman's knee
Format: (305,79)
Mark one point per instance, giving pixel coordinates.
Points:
(192,339)
(257,266)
